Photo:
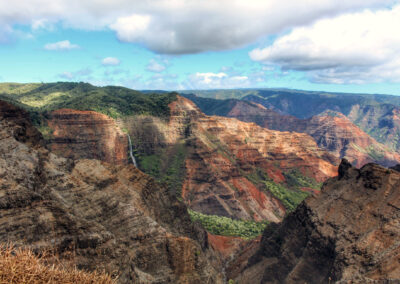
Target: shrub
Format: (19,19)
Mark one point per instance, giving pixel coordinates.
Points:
(219,225)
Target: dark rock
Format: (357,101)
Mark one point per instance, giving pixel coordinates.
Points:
(349,233)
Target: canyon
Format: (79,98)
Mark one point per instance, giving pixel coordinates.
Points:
(219,155)
(95,215)
(77,194)
(342,136)
(331,130)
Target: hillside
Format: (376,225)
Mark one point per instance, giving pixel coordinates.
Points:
(334,237)
(112,101)
(377,115)
(331,130)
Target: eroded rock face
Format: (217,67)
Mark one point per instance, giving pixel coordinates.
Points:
(94,214)
(331,130)
(350,232)
(87,134)
(223,151)
(220,154)
(382,121)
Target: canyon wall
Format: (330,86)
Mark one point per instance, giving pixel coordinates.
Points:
(331,130)
(96,215)
(87,134)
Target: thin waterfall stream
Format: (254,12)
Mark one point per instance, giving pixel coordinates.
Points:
(131,151)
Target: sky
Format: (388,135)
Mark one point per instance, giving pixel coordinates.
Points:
(327,45)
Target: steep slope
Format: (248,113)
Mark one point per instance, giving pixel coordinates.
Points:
(382,121)
(350,233)
(218,166)
(87,134)
(94,214)
(227,162)
(377,114)
(300,103)
(336,133)
(331,130)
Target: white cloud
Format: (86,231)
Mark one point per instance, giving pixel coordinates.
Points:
(82,74)
(154,66)
(219,80)
(353,48)
(110,61)
(61,45)
(180,26)
(42,24)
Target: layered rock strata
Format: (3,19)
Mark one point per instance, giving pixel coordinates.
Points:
(87,134)
(331,130)
(96,215)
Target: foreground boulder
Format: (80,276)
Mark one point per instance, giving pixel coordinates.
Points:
(95,215)
(350,233)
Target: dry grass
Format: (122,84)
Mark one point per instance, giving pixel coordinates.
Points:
(23,266)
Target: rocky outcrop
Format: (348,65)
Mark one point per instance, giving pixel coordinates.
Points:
(331,130)
(350,233)
(96,215)
(87,134)
(22,129)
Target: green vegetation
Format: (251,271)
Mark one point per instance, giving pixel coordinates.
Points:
(113,101)
(289,192)
(219,225)
(295,179)
(289,197)
(167,166)
(374,153)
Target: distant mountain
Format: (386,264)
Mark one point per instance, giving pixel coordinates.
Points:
(330,128)
(302,104)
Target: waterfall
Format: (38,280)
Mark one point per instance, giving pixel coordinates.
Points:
(131,152)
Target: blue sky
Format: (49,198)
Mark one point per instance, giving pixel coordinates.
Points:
(186,44)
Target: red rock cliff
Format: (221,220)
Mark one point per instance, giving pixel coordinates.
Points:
(87,134)
(224,151)
(332,131)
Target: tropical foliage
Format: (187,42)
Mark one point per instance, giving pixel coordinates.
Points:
(219,225)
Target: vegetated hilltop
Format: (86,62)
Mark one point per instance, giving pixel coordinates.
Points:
(95,215)
(111,100)
(350,233)
(377,115)
(331,130)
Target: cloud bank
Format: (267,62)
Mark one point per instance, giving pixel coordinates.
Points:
(356,48)
(178,26)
